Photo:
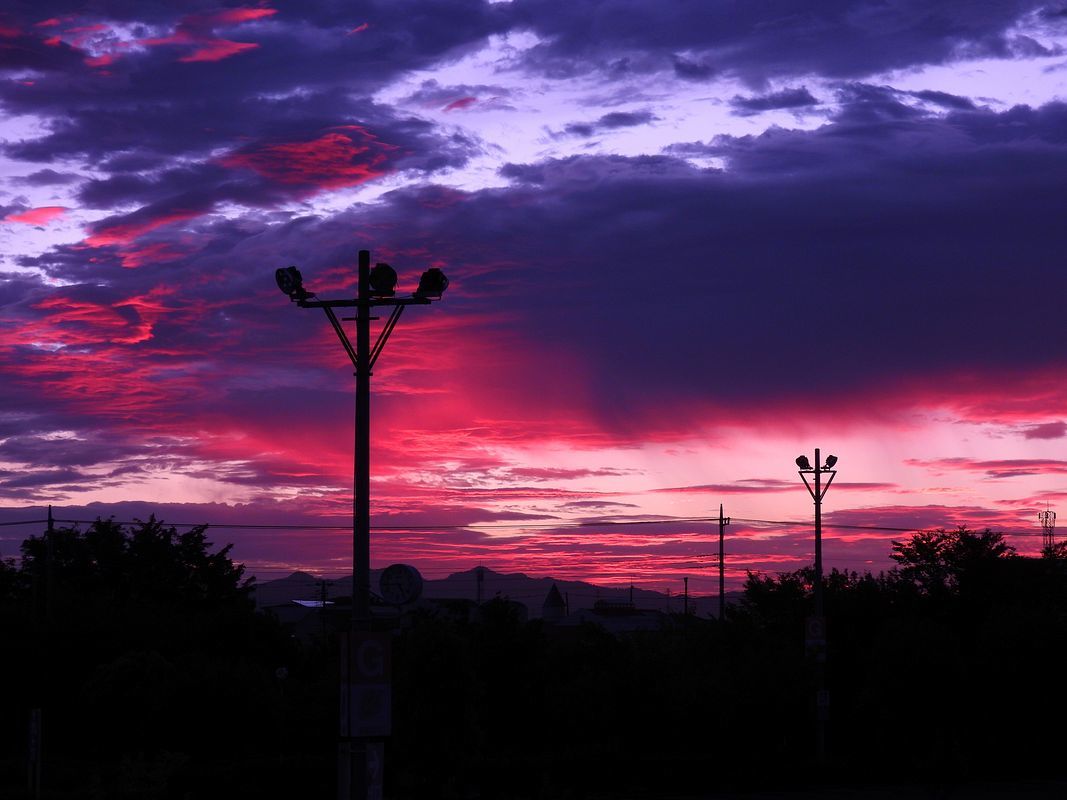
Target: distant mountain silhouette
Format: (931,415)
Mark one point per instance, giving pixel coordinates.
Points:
(513,585)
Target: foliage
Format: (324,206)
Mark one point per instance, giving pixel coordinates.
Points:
(142,646)
(1057,551)
(938,560)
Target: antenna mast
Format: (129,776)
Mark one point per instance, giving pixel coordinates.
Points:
(1048,528)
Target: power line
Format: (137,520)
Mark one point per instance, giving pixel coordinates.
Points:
(544,526)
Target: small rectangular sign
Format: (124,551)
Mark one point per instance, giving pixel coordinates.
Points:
(366,685)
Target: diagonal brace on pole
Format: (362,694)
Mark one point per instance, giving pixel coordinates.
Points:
(822,490)
(390,323)
(379,345)
(347,345)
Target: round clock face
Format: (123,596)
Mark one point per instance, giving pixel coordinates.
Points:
(400,584)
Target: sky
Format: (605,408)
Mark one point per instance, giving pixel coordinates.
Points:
(687,241)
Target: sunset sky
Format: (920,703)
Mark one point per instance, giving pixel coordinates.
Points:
(687,241)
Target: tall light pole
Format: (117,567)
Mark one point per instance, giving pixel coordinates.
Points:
(376,287)
(815,633)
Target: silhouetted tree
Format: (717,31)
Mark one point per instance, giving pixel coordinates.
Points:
(938,561)
(1057,551)
(144,649)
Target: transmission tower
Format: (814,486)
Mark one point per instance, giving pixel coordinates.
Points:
(1048,528)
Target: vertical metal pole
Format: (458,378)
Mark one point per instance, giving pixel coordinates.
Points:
(685,604)
(50,570)
(357,747)
(818,534)
(820,668)
(34,766)
(722,572)
(361,494)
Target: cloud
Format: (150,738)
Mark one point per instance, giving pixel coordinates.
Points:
(456,97)
(338,158)
(1046,430)
(37,216)
(797,98)
(945,100)
(995,468)
(611,121)
(883,201)
(197,34)
(49,177)
(765,485)
(757,42)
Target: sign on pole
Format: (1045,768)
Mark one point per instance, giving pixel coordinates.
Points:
(815,637)
(366,696)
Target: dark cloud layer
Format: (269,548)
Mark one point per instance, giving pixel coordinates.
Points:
(757,41)
(889,241)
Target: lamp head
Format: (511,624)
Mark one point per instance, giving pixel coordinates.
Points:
(803,463)
(382,280)
(432,284)
(830,461)
(291,282)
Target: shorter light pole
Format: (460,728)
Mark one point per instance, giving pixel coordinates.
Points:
(723,522)
(815,629)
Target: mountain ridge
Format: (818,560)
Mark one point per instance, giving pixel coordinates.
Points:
(518,586)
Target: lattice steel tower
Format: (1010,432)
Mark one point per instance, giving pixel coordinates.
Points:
(1048,528)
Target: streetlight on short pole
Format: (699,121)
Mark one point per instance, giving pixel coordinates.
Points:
(376,287)
(815,634)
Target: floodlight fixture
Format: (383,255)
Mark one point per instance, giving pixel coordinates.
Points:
(830,461)
(803,463)
(291,282)
(382,280)
(432,284)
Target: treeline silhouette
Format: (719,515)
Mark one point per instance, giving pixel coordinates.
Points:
(158,679)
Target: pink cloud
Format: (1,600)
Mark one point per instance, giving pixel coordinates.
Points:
(37,216)
(461,104)
(995,468)
(218,49)
(198,31)
(344,157)
(124,233)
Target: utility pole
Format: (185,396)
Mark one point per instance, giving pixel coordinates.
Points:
(375,288)
(479,592)
(33,766)
(322,607)
(815,633)
(685,602)
(50,570)
(723,522)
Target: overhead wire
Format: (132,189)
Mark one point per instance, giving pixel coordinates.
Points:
(541,526)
